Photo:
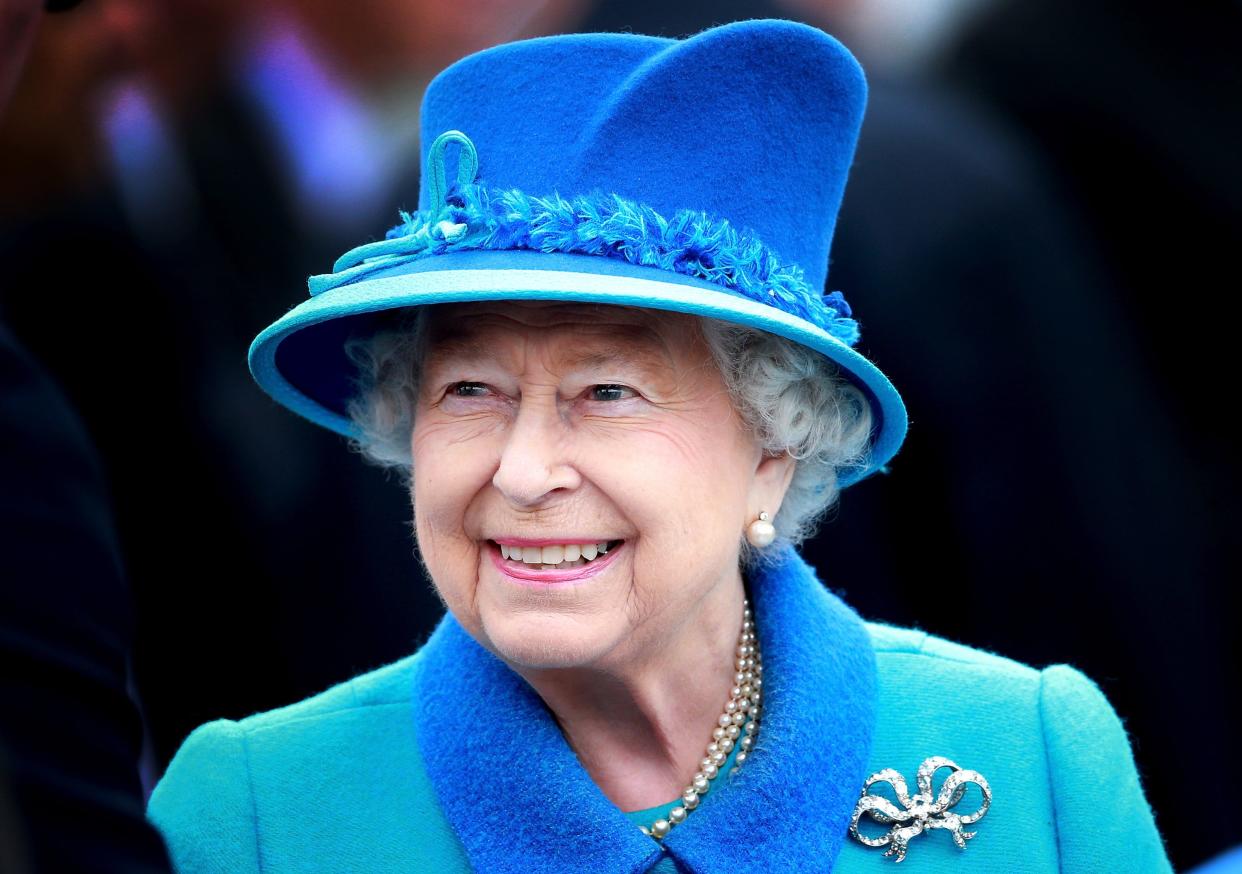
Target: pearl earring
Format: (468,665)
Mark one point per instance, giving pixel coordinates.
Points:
(761,532)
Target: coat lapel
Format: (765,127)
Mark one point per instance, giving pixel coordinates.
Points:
(519,800)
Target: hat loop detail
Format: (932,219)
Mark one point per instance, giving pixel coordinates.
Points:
(467,166)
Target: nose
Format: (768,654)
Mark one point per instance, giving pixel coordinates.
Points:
(534,462)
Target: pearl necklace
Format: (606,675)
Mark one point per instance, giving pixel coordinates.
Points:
(741,714)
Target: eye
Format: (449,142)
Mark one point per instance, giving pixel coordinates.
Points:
(467,389)
(611,392)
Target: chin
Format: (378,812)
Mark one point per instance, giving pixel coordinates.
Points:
(531,640)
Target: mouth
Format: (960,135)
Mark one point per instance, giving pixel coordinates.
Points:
(540,564)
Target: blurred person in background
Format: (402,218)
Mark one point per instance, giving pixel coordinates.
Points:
(70,735)
(220,134)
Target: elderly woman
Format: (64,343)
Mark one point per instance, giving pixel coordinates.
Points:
(600,355)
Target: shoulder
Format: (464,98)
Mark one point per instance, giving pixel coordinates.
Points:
(977,690)
(314,721)
(991,677)
(939,652)
(909,658)
(321,715)
(960,684)
(329,774)
(385,686)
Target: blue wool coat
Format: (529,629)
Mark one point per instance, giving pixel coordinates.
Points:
(447,761)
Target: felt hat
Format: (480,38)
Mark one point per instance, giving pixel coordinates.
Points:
(701,175)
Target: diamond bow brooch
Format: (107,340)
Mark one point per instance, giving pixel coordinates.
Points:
(921,812)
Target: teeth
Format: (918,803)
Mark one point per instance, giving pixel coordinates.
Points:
(557,555)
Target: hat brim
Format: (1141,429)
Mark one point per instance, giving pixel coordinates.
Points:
(300,359)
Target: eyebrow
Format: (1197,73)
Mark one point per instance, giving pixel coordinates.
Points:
(634,346)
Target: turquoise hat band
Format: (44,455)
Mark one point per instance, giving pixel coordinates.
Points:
(300,360)
(691,242)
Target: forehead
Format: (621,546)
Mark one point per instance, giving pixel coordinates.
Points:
(583,333)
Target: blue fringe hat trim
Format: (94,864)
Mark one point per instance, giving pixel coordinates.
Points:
(693,243)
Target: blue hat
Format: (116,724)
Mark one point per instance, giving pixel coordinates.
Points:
(701,175)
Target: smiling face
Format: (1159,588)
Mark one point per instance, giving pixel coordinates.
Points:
(563,424)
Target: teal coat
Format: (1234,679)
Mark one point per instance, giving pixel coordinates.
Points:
(447,761)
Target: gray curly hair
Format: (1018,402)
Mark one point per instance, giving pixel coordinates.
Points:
(794,399)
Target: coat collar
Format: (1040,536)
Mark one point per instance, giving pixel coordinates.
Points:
(519,800)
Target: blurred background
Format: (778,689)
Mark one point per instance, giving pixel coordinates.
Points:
(1038,237)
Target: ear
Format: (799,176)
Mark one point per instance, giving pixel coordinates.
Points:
(772,477)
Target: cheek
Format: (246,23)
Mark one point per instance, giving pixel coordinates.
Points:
(682,490)
(446,481)
(687,486)
(448,473)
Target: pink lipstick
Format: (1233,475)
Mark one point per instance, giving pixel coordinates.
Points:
(534,577)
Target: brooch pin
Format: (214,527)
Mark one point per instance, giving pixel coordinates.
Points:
(921,811)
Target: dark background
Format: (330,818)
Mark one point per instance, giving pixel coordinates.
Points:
(1037,237)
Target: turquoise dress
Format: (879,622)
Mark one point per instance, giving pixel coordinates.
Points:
(447,761)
